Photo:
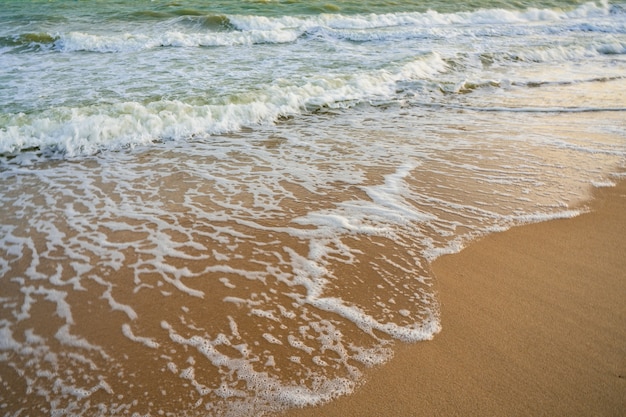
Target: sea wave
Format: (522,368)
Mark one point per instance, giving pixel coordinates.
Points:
(79,41)
(202,30)
(430,18)
(88,129)
(561,53)
(29,41)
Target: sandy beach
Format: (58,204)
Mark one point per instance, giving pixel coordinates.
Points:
(534,323)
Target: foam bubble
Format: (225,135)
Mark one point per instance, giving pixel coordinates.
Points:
(270,338)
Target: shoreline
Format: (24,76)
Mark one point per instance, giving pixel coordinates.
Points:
(534,323)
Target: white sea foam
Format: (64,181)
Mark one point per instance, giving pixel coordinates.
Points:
(603,184)
(129,42)
(412,333)
(64,336)
(264,386)
(146,341)
(612,48)
(7,342)
(431,18)
(272,339)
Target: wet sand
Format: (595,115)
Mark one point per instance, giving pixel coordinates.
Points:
(534,323)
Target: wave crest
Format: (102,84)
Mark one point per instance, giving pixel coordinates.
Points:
(87,130)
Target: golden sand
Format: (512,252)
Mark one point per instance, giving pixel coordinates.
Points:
(534,323)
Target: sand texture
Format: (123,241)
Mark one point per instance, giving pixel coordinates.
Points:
(534,323)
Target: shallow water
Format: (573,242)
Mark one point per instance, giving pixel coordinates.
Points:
(234,215)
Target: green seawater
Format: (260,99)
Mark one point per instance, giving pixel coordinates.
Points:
(30,10)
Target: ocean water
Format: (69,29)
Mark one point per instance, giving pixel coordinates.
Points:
(230,207)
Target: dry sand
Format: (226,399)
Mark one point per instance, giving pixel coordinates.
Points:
(534,323)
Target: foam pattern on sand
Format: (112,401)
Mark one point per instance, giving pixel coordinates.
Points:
(257,272)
